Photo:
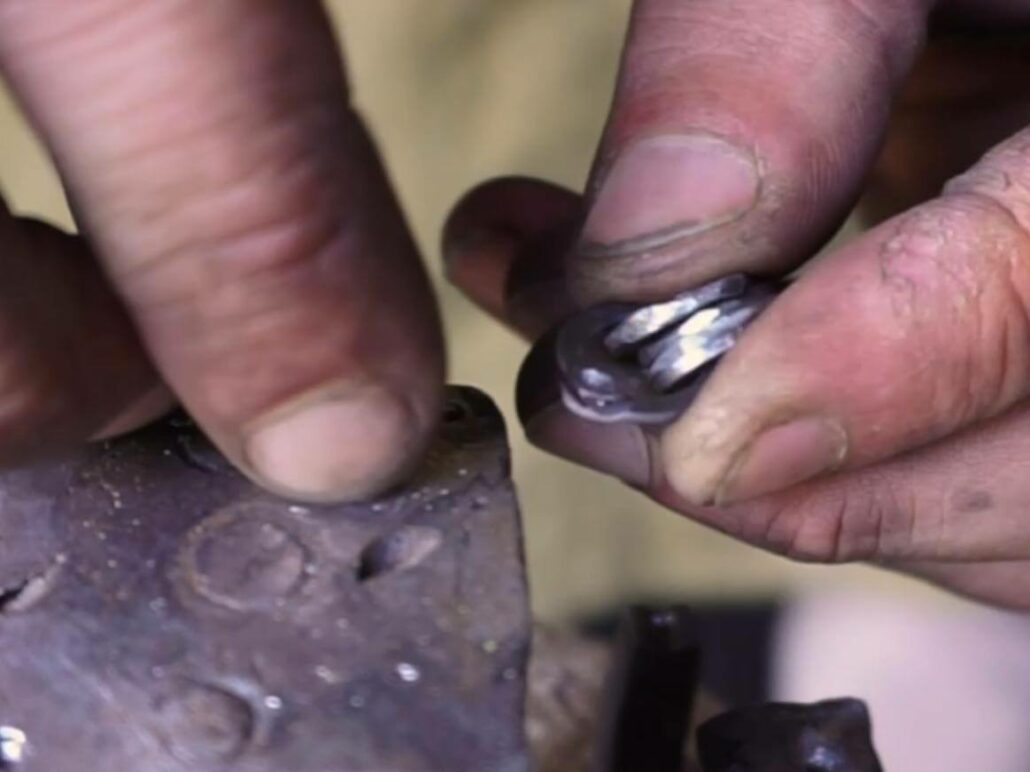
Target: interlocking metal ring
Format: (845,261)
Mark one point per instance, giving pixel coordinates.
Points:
(645,363)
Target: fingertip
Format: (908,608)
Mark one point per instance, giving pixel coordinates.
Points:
(348,442)
(504,246)
(478,263)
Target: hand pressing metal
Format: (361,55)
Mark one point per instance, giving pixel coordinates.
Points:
(879,409)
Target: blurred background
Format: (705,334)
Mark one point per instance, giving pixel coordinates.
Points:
(461,90)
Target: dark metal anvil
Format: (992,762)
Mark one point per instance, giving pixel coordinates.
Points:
(160,613)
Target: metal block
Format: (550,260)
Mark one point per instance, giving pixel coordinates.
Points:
(160,613)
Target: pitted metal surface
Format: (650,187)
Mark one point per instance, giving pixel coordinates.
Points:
(160,613)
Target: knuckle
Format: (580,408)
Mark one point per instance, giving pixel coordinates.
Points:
(956,279)
(240,304)
(218,207)
(933,253)
(876,37)
(194,264)
(1001,179)
(792,525)
(839,522)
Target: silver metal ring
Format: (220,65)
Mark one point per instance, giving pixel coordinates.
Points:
(645,363)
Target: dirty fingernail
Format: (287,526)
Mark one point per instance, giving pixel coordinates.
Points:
(666,187)
(345,446)
(479,263)
(620,450)
(782,456)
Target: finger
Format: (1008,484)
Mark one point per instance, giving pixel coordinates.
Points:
(71,365)
(240,209)
(958,501)
(733,144)
(906,335)
(942,513)
(505,244)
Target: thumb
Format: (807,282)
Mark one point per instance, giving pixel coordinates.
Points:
(908,334)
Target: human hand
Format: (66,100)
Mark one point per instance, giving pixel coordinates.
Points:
(244,252)
(877,410)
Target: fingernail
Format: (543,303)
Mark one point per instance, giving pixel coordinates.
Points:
(478,264)
(783,456)
(666,187)
(620,450)
(348,444)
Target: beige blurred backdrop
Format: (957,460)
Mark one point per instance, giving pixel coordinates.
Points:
(457,91)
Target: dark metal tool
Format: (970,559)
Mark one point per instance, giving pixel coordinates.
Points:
(829,736)
(645,363)
(650,692)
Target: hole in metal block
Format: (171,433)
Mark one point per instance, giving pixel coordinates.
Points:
(397,551)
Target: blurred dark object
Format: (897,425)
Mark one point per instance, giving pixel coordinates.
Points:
(736,639)
(650,692)
(160,613)
(831,736)
(647,723)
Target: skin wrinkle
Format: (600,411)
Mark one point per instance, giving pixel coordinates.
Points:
(914,516)
(1012,356)
(972,294)
(727,31)
(971,501)
(1015,283)
(823,550)
(863,524)
(819,539)
(88,33)
(184,279)
(282,166)
(836,548)
(920,251)
(873,521)
(275,155)
(768,536)
(1012,363)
